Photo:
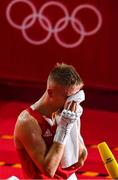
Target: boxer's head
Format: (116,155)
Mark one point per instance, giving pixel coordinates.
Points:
(63,81)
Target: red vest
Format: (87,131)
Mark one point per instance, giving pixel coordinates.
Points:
(30,170)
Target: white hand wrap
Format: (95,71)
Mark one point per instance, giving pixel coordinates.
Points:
(65,125)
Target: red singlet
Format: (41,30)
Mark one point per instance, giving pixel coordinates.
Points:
(30,170)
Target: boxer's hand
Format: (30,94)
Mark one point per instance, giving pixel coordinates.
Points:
(67,119)
(69,114)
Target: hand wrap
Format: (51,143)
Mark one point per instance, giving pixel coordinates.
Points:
(65,125)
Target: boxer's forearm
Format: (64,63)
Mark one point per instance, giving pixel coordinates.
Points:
(53,158)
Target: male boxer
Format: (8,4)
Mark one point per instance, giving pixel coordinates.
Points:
(39,139)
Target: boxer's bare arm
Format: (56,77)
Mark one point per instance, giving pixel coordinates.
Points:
(27,130)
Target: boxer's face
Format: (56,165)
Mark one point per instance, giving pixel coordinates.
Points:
(61,93)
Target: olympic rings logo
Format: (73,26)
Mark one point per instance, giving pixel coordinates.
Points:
(59,26)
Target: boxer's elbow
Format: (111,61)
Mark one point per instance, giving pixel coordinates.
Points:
(49,170)
(85,154)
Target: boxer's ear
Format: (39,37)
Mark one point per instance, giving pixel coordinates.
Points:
(50,92)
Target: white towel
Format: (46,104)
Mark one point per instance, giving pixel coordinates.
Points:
(71,151)
(78,97)
(72,177)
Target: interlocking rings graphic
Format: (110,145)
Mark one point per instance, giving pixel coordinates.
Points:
(59,26)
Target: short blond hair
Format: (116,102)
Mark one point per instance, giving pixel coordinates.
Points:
(65,75)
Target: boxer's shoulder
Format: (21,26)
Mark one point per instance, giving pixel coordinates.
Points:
(24,116)
(26,126)
(27,120)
